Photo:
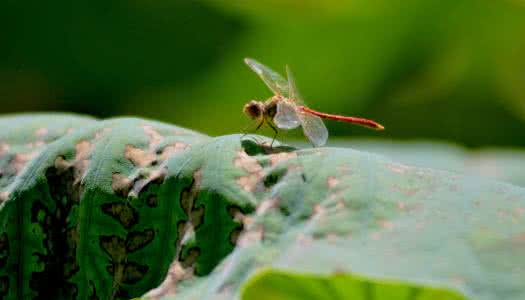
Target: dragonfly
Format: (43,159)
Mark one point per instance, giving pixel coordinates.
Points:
(287,110)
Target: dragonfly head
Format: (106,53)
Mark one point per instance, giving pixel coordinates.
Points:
(254,109)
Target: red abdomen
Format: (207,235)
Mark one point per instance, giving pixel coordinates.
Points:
(354,120)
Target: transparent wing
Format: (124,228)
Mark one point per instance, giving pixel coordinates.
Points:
(292,88)
(286,116)
(273,80)
(313,128)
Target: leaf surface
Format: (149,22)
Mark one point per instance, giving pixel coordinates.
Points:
(119,208)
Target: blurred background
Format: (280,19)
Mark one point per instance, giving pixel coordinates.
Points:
(440,70)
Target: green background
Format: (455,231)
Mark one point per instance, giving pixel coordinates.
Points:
(435,69)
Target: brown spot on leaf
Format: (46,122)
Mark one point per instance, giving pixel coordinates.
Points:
(397,168)
(21,159)
(121,184)
(4,196)
(248,183)
(252,236)
(197,216)
(188,233)
(139,157)
(114,246)
(386,224)
(172,149)
(4,148)
(153,175)
(80,170)
(134,272)
(36,144)
(188,195)
(155,137)
(168,287)
(124,213)
(156,175)
(138,240)
(41,132)
(83,149)
(247,221)
(266,205)
(332,182)
(280,157)
(181,231)
(197,178)
(191,257)
(317,210)
(236,213)
(128,273)
(247,163)
(254,169)
(234,235)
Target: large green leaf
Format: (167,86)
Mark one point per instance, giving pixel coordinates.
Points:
(334,210)
(128,207)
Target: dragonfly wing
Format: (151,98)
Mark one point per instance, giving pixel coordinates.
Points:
(286,116)
(313,128)
(273,80)
(292,89)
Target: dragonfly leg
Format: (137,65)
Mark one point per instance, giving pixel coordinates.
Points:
(259,126)
(245,131)
(275,135)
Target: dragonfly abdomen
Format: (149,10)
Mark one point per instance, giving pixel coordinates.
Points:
(353,120)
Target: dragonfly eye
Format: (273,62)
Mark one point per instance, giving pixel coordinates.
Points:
(253,109)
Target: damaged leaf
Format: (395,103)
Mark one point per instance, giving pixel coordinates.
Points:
(123,208)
